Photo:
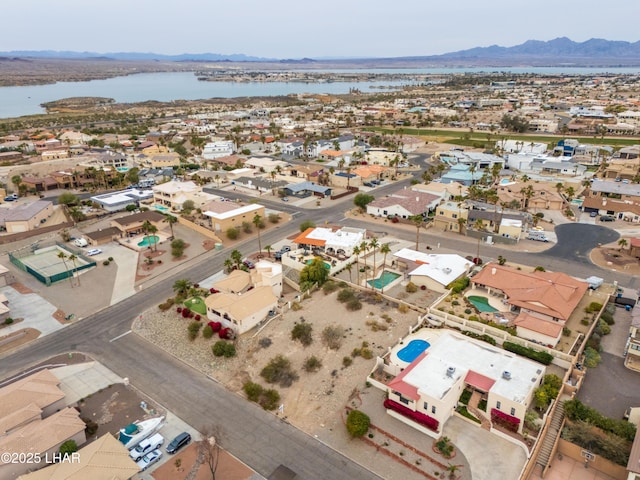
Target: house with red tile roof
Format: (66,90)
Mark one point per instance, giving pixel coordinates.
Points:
(426,393)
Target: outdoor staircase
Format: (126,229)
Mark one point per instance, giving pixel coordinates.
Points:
(473,409)
(544,455)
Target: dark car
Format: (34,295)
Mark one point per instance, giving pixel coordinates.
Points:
(177,443)
(249,264)
(607,218)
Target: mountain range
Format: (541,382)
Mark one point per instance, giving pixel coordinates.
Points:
(559,51)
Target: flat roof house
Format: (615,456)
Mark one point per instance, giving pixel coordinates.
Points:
(225,215)
(25,217)
(434,271)
(425,394)
(339,241)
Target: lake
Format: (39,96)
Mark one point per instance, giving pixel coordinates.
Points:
(165,87)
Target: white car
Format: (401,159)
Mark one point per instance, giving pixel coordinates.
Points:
(93,251)
(149,459)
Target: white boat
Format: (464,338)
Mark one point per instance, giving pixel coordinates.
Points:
(134,433)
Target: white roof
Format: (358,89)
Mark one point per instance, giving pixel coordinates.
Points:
(443,268)
(430,377)
(343,238)
(232,213)
(175,187)
(123,196)
(511,222)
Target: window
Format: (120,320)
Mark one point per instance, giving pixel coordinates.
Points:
(513,412)
(426,406)
(498,405)
(455,215)
(433,409)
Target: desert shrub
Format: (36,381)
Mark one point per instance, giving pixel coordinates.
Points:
(403,308)
(566,331)
(232,233)
(363,352)
(411,288)
(252,390)
(468,311)
(455,303)
(459,285)
(223,349)
(578,411)
(345,295)
(279,370)
(269,399)
(484,337)
(207,332)
(302,333)
(347,361)
(357,423)
(274,217)
(474,318)
(246,227)
(295,306)
(91,427)
(177,247)
(68,447)
(593,307)
(193,328)
(168,303)
(376,326)
(329,287)
(107,262)
(445,447)
(312,364)
(8,321)
(265,342)
(603,328)
(542,357)
(354,304)
(608,318)
(591,357)
(332,336)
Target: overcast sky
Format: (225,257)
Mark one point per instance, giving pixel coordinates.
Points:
(302,28)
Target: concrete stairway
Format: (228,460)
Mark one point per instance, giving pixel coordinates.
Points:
(473,409)
(544,456)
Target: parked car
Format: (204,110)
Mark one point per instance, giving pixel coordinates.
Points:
(286,248)
(278,255)
(177,443)
(94,251)
(147,445)
(149,459)
(80,242)
(368,184)
(249,264)
(607,218)
(285,199)
(593,214)
(11,198)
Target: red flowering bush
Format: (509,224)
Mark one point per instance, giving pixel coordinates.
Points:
(507,421)
(215,326)
(198,317)
(179,309)
(429,422)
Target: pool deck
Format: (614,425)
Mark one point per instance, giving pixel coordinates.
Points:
(495,302)
(428,334)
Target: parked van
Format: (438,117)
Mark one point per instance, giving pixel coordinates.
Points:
(145,446)
(80,242)
(537,235)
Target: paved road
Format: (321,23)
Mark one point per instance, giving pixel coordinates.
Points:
(256,437)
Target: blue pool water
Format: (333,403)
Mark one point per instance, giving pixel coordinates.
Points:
(481,303)
(383,280)
(151,240)
(326,265)
(162,208)
(413,350)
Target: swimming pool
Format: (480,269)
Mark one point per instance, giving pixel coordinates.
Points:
(147,241)
(326,265)
(481,303)
(383,280)
(162,208)
(413,350)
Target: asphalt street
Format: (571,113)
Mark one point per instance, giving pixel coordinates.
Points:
(256,437)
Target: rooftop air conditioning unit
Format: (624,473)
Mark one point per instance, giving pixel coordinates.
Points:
(451,371)
(506,375)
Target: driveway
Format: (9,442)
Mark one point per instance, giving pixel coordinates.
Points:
(36,311)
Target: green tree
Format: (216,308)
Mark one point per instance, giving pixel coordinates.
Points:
(171,220)
(182,287)
(188,206)
(236,258)
(307,224)
(68,447)
(357,423)
(76,214)
(133,176)
(257,221)
(63,257)
(384,249)
(361,200)
(177,248)
(313,273)
(68,199)
(17,181)
(418,221)
(268,249)
(623,243)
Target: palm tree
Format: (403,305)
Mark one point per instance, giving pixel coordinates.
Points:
(268,249)
(73,259)
(384,249)
(257,221)
(417,221)
(373,244)
(461,224)
(228,265)
(349,267)
(182,286)
(146,225)
(623,243)
(152,230)
(364,246)
(170,219)
(63,256)
(236,258)
(356,252)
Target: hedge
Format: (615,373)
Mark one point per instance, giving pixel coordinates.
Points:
(576,410)
(542,357)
